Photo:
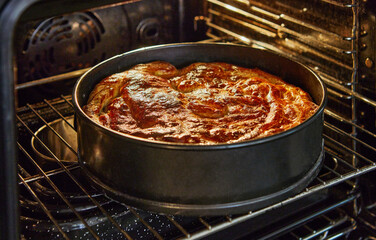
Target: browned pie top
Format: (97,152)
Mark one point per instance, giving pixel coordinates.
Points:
(205,103)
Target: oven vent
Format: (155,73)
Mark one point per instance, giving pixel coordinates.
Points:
(76,41)
(65,27)
(60,38)
(70,42)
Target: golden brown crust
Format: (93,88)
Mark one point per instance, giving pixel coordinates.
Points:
(203,103)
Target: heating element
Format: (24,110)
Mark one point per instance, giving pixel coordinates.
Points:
(56,201)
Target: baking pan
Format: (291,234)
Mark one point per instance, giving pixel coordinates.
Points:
(189,179)
(54,143)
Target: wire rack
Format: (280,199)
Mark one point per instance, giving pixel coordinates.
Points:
(332,225)
(61,182)
(56,201)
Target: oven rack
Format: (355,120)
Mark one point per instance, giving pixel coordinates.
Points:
(292,34)
(368,219)
(287,29)
(333,225)
(338,168)
(339,3)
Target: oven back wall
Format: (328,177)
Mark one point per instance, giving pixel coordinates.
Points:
(80,40)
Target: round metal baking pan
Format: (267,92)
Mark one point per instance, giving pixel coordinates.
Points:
(191,179)
(54,143)
(208,209)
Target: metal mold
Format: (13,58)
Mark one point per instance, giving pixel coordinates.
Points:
(192,179)
(55,143)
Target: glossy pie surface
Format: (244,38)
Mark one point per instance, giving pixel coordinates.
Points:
(203,103)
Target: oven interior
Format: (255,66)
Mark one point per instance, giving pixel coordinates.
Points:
(51,46)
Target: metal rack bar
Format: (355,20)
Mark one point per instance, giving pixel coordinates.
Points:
(265,9)
(339,3)
(259,6)
(336,129)
(321,181)
(44,208)
(50,173)
(67,99)
(324,231)
(280,27)
(67,171)
(350,92)
(206,224)
(304,221)
(315,28)
(61,195)
(51,129)
(355,33)
(340,159)
(331,170)
(52,79)
(239,219)
(180,227)
(338,95)
(155,233)
(349,150)
(239,37)
(262,11)
(338,175)
(294,235)
(343,120)
(337,235)
(302,46)
(256,28)
(287,41)
(58,113)
(333,79)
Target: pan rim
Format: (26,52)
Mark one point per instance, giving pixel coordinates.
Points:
(192,146)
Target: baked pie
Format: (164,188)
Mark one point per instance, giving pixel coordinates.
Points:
(203,103)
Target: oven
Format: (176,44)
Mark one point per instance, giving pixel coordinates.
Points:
(47,45)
